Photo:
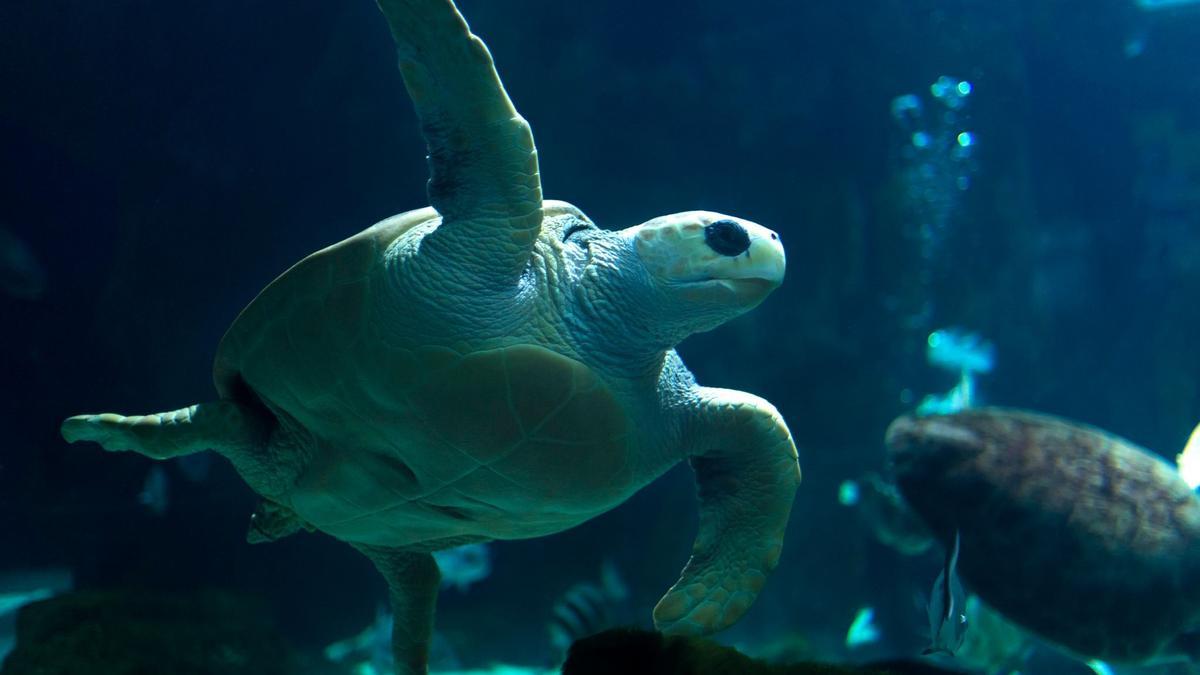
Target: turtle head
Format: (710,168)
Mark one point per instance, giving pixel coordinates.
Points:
(710,260)
(654,284)
(705,268)
(658,282)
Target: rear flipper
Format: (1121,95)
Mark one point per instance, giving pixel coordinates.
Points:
(413,580)
(272,521)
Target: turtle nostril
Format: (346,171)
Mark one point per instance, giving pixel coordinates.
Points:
(727,237)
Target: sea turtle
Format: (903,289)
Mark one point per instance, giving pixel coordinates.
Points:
(1084,538)
(492,367)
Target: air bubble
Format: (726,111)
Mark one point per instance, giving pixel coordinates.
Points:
(942,87)
(905,107)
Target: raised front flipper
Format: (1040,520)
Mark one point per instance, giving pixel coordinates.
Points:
(483,165)
(412,580)
(747,474)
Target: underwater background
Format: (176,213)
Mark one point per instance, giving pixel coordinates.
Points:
(1024,173)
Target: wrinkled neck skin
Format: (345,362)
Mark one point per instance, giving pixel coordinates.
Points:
(613,313)
(591,292)
(589,295)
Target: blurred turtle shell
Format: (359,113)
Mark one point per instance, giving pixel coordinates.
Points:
(1080,536)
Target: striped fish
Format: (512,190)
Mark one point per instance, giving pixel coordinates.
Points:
(588,608)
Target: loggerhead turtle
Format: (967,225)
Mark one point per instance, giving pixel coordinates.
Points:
(492,367)
(1080,536)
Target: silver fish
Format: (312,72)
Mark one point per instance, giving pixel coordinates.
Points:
(946,608)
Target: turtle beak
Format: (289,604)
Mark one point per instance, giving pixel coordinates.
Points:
(757,254)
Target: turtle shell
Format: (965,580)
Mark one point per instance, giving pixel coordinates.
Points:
(1080,536)
(403,443)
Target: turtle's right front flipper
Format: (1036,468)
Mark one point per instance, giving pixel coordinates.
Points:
(747,474)
(483,166)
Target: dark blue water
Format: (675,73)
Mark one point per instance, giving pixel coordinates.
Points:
(163,162)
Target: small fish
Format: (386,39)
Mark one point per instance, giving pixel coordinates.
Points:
(464,565)
(370,651)
(966,354)
(947,620)
(372,645)
(155,494)
(587,608)
(956,350)
(862,630)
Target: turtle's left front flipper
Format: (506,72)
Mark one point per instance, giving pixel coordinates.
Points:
(484,178)
(747,473)
(413,580)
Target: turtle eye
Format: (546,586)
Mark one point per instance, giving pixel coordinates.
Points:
(727,237)
(577,227)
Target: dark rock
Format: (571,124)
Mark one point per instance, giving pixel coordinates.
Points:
(632,651)
(145,633)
